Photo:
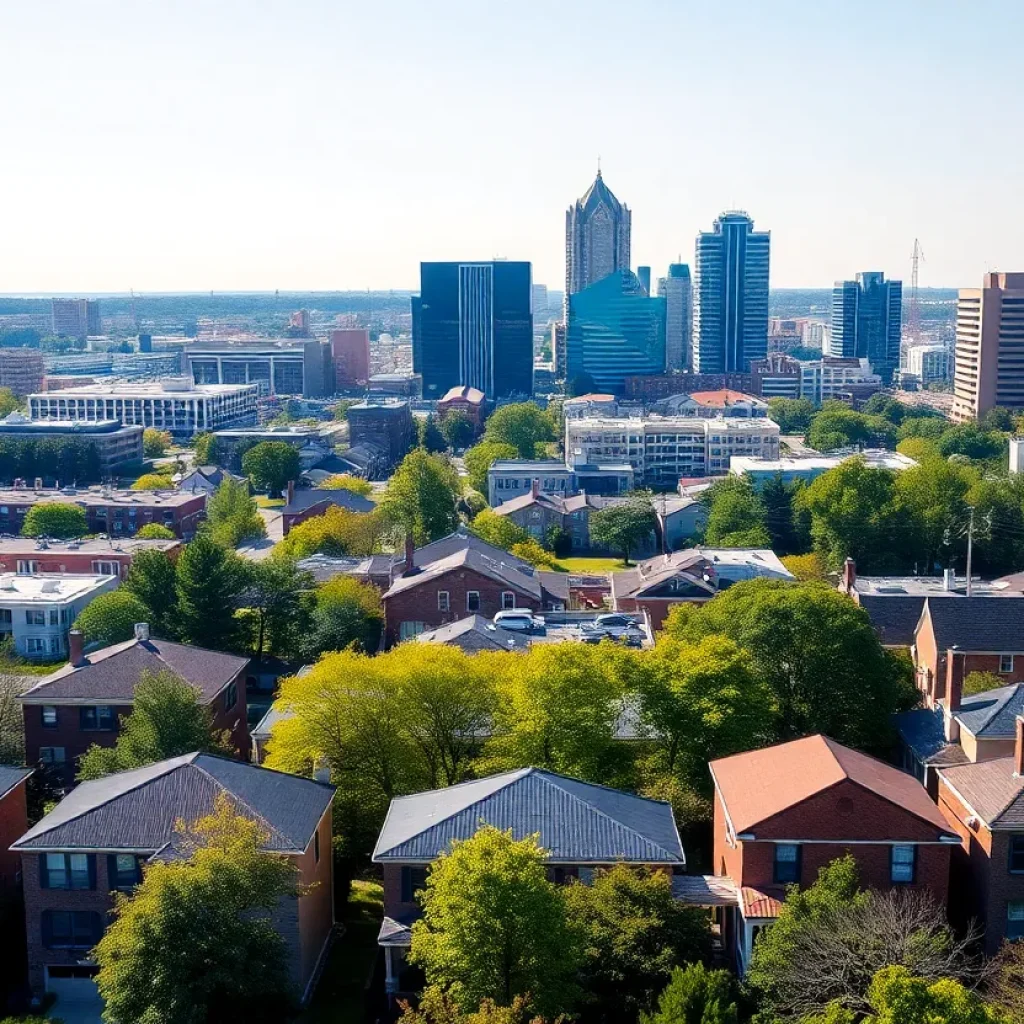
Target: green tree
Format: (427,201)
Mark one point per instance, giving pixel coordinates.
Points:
(936,493)
(274,598)
(345,612)
(530,550)
(838,426)
(494,927)
(153,482)
(634,932)
(421,496)
(429,435)
(155,443)
(970,440)
(155,531)
(457,429)
(898,997)
(1004,984)
(480,457)
(206,449)
(892,409)
(997,419)
(980,682)
(337,532)
(270,465)
(930,427)
(347,482)
(696,995)
(232,515)
(436,1006)
(111,617)
(151,578)
(735,512)
(793,415)
(207,582)
(53,519)
(522,425)
(195,943)
(625,526)
(814,648)
(9,402)
(500,531)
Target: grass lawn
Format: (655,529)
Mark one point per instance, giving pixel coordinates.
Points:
(585,565)
(340,997)
(262,501)
(17,667)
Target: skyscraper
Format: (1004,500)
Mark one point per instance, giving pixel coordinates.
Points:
(866,321)
(473,326)
(597,229)
(677,292)
(76,318)
(989,358)
(615,329)
(730,295)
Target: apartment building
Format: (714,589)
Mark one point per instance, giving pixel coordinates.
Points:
(21,370)
(278,367)
(989,356)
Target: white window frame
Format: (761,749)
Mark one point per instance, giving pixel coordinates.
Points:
(35,645)
(105,567)
(1003,659)
(444,601)
(27,566)
(410,628)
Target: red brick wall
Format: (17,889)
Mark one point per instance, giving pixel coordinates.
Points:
(316,906)
(234,720)
(419,603)
(290,519)
(13,825)
(728,860)
(71,561)
(67,734)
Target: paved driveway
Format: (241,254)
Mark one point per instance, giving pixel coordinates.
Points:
(275,533)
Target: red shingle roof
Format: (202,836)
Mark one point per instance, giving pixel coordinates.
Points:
(758,904)
(722,397)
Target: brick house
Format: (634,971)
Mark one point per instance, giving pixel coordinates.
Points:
(582,826)
(538,513)
(83,702)
(13,821)
(984,804)
(99,838)
(305,504)
(111,557)
(784,812)
(469,401)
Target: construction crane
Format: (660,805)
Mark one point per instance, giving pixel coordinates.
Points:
(914,310)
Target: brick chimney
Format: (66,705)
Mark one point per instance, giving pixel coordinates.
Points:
(955,661)
(534,487)
(410,555)
(849,575)
(1018,749)
(291,491)
(76,645)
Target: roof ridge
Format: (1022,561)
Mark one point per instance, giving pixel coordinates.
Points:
(999,704)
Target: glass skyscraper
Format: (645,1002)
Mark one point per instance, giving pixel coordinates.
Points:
(615,330)
(473,326)
(867,321)
(678,294)
(730,295)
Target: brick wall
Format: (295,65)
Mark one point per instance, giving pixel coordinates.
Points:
(235,718)
(13,825)
(67,733)
(316,907)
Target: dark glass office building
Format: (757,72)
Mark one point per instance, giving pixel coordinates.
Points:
(867,321)
(473,326)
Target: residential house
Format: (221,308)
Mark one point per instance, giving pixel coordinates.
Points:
(475,633)
(540,513)
(83,701)
(111,556)
(680,519)
(373,569)
(305,504)
(99,838)
(13,822)
(695,575)
(984,804)
(784,812)
(582,826)
(207,479)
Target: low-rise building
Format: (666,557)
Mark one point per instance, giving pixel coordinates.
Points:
(471,402)
(385,424)
(305,504)
(13,824)
(37,611)
(680,519)
(207,479)
(539,514)
(101,557)
(278,366)
(474,633)
(22,370)
(710,404)
(510,478)
(807,468)
(98,840)
(116,446)
(234,443)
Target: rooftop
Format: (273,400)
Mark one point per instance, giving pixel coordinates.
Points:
(16,423)
(991,790)
(475,633)
(724,397)
(89,546)
(875,459)
(10,776)
(504,570)
(93,496)
(929,586)
(992,624)
(464,393)
(343,498)
(992,715)
(923,732)
(169,387)
(46,588)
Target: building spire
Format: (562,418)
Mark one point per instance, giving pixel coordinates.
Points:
(599,165)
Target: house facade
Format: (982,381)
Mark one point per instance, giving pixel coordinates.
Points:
(305,504)
(13,822)
(538,514)
(109,557)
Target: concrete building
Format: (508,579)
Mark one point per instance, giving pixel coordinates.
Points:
(280,367)
(21,370)
(396,385)
(867,321)
(116,446)
(387,425)
(809,468)
(677,291)
(176,405)
(834,377)
(930,363)
(76,318)
(776,376)
(510,478)
(989,363)
(37,611)
(730,295)
(350,350)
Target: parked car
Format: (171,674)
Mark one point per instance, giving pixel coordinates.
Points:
(612,626)
(521,620)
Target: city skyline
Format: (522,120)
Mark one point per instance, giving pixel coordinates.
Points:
(319,147)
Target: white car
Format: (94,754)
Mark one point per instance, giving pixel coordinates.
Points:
(520,620)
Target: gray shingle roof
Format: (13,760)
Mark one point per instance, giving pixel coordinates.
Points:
(578,822)
(992,790)
(993,714)
(10,776)
(460,540)
(112,673)
(922,731)
(977,623)
(504,571)
(895,618)
(137,810)
(475,633)
(302,500)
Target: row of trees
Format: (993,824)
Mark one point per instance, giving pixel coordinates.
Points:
(67,459)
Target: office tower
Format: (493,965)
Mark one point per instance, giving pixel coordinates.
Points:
(540,304)
(677,292)
(558,348)
(866,321)
(615,329)
(644,276)
(472,326)
(350,350)
(730,295)
(298,324)
(928,363)
(597,229)
(989,358)
(76,318)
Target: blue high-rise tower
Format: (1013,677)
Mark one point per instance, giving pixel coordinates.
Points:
(867,321)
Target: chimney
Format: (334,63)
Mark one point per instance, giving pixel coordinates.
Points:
(1018,749)
(76,642)
(534,487)
(291,491)
(849,575)
(955,660)
(410,554)
(949,580)
(141,630)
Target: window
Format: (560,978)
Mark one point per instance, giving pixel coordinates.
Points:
(902,864)
(1015,920)
(26,566)
(508,599)
(1005,662)
(55,645)
(1017,855)
(231,698)
(409,629)
(787,863)
(54,617)
(442,601)
(96,719)
(316,847)
(472,600)
(51,755)
(123,871)
(35,618)
(64,929)
(413,879)
(49,716)
(35,645)
(106,568)
(67,871)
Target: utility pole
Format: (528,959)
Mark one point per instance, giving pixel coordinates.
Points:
(970,547)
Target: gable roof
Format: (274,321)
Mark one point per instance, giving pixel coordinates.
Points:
(112,673)
(577,822)
(992,715)
(976,623)
(554,502)
(138,810)
(895,617)
(991,790)
(305,499)
(923,731)
(651,573)
(501,571)
(475,633)
(458,541)
(760,784)
(464,392)
(10,776)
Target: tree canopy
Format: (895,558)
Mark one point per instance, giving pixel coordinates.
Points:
(155,443)
(421,496)
(345,612)
(457,429)
(337,532)
(54,519)
(155,531)
(110,618)
(696,995)
(500,531)
(206,452)
(270,465)
(523,425)
(624,527)
(232,515)
(479,458)
(793,415)
(207,582)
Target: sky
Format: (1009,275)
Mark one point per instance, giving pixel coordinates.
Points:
(173,145)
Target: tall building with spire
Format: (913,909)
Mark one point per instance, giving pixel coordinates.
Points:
(597,228)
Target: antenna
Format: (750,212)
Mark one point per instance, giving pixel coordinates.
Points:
(914,311)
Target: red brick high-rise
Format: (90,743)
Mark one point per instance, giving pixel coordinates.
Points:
(350,350)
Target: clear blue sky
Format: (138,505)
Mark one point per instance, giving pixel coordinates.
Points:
(333,144)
